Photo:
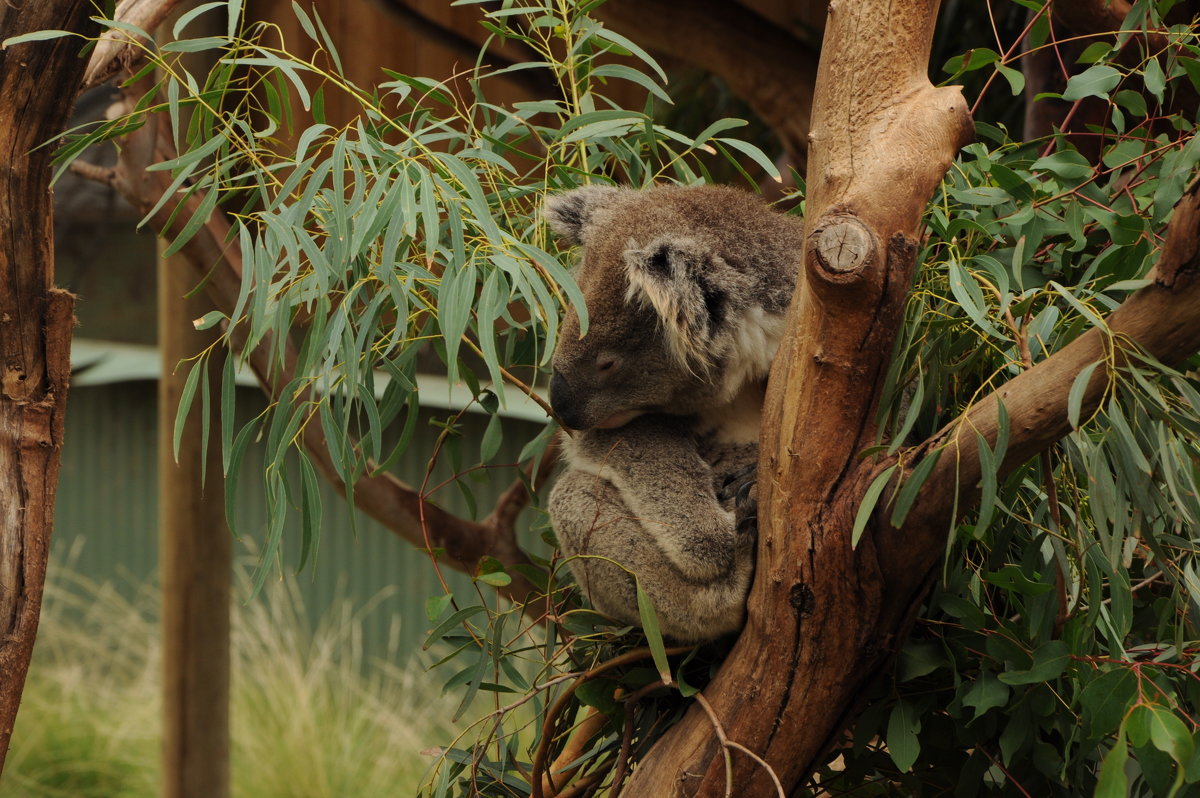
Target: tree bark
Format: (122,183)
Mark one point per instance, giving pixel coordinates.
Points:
(882,137)
(35,326)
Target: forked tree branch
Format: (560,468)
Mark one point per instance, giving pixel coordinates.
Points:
(882,137)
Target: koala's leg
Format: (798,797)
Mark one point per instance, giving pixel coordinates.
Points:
(608,548)
(656,468)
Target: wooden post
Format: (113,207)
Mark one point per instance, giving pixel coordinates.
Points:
(195,561)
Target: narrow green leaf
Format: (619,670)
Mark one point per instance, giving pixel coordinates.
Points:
(966,292)
(908,491)
(755,154)
(190,14)
(654,637)
(35,36)
(988,483)
(632,75)
(185,403)
(1076,394)
(310,508)
(867,507)
(454,620)
(207,203)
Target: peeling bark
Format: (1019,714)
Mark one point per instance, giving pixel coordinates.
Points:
(35,328)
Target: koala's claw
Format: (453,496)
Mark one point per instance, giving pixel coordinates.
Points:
(738,483)
(746,509)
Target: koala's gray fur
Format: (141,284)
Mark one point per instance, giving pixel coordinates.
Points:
(686,291)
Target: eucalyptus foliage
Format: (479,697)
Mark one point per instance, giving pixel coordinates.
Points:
(1057,655)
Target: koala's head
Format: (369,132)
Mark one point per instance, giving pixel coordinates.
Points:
(684,298)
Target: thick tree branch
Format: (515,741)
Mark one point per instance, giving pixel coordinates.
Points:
(762,63)
(35,325)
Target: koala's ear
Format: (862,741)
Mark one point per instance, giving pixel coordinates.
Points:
(682,280)
(570,213)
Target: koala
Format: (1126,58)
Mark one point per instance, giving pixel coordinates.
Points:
(686,291)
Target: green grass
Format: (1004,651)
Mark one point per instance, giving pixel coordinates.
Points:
(310,718)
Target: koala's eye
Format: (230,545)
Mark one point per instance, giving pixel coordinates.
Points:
(606,364)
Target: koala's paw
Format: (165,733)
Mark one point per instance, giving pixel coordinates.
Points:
(745,512)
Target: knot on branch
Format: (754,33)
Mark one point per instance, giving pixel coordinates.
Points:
(843,247)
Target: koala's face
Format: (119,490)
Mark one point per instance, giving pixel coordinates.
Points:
(657,307)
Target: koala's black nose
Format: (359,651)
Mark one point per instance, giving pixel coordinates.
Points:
(562,400)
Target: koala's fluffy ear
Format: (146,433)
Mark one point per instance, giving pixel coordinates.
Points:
(570,213)
(689,288)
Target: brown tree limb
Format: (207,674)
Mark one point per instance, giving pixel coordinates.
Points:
(35,326)
(882,137)
(116,49)
(761,62)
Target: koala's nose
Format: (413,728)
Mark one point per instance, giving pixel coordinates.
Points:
(563,402)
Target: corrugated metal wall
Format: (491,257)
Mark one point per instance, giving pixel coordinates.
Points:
(106,525)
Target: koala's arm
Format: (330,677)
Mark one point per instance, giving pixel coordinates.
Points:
(654,464)
(606,546)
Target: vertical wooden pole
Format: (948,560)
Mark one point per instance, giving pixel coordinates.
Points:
(195,551)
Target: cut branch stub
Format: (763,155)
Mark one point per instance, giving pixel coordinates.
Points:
(843,247)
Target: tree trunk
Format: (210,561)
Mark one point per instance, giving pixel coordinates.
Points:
(35,325)
(818,630)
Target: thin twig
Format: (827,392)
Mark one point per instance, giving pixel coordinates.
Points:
(727,744)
